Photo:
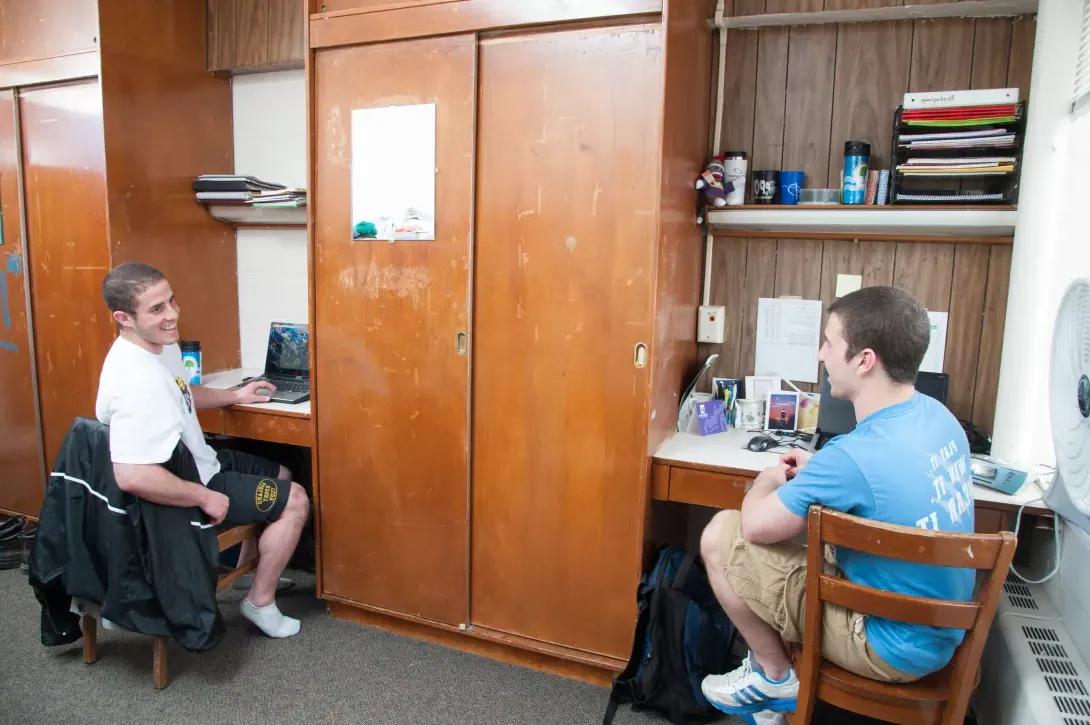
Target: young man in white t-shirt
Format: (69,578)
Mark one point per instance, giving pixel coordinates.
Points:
(146,399)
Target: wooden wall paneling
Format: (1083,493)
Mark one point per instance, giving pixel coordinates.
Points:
(991,52)
(873,261)
(740,86)
(401,22)
(562,293)
(167,120)
(964,325)
(251,32)
(1020,63)
(793,6)
(72,28)
(861,4)
(768,114)
(392,391)
(991,337)
(285,30)
(748,7)
(729,290)
(760,282)
(810,102)
(22,483)
(68,252)
(221,34)
(926,271)
(688,96)
(864,100)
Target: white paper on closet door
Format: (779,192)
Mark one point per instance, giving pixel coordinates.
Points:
(788,338)
(393,173)
(936,349)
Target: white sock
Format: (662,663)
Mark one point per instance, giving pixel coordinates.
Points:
(269,619)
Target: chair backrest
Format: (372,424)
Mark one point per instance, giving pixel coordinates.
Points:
(990,553)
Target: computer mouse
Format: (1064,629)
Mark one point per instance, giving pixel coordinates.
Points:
(762,443)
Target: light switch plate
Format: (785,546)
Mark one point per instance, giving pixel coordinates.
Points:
(709,326)
(848,283)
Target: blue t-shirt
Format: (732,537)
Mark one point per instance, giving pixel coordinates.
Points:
(907,464)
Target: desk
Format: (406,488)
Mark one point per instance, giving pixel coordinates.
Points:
(717,470)
(274,422)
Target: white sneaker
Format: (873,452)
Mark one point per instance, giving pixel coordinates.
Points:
(747,690)
(765,717)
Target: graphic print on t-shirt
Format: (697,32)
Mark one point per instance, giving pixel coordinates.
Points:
(953,488)
(186,395)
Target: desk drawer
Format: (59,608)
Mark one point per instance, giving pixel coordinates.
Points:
(706,488)
(265,427)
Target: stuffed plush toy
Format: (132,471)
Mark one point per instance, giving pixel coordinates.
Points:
(711,183)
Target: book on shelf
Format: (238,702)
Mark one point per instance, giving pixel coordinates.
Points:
(949,99)
(231,182)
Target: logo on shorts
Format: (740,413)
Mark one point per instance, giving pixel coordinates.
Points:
(265,495)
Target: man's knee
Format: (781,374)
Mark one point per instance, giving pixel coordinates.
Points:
(711,538)
(298,504)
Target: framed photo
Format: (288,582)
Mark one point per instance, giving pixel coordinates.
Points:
(783,411)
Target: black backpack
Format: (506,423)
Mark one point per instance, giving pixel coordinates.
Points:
(682,634)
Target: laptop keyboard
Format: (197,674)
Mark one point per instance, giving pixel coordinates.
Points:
(292,386)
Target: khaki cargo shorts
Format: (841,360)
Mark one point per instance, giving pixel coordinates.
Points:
(771,579)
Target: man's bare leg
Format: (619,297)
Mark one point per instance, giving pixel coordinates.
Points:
(276,545)
(764,641)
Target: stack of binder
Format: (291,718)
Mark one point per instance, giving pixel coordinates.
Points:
(230,189)
(958,147)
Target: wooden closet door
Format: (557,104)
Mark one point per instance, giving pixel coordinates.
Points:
(65,182)
(22,482)
(567,175)
(391,386)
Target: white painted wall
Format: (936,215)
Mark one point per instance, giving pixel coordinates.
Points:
(270,143)
(1050,250)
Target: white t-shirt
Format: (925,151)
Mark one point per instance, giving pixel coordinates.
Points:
(147,402)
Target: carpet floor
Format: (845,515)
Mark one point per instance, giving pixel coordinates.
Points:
(333,671)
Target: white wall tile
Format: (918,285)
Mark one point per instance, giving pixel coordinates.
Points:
(270,143)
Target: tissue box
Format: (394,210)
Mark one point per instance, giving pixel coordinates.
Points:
(711,417)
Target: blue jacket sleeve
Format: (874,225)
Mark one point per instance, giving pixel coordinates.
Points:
(832,479)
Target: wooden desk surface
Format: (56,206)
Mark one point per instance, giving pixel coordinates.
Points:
(686,456)
(274,422)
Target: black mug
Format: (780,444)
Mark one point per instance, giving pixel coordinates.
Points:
(766,187)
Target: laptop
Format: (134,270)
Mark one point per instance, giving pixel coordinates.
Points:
(287,362)
(837,417)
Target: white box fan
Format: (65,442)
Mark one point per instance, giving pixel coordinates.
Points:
(1031,673)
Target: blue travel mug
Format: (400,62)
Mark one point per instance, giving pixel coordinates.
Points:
(856,162)
(790,185)
(191,360)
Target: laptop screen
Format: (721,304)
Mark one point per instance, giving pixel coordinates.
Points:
(288,352)
(837,417)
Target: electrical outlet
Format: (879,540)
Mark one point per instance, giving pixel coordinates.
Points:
(709,326)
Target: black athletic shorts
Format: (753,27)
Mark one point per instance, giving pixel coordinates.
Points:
(251,485)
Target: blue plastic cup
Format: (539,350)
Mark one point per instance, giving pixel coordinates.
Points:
(791,183)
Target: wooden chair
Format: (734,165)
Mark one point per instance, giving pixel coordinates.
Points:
(940,698)
(225,538)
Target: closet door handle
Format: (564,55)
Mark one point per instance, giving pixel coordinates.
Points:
(461,343)
(639,358)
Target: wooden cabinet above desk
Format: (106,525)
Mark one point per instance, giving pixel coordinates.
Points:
(249,35)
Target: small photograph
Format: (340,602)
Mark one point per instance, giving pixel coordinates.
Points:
(783,411)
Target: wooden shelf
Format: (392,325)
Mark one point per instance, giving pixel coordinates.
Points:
(968,9)
(954,224)
(244,215)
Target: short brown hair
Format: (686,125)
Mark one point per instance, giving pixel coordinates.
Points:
(889,321)
(125,282)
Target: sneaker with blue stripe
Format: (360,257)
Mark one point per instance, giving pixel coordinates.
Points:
(748,690)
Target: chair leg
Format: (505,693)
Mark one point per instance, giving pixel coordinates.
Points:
(90,639)
(159,663)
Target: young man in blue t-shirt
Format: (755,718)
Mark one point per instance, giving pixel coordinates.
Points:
(906,462)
